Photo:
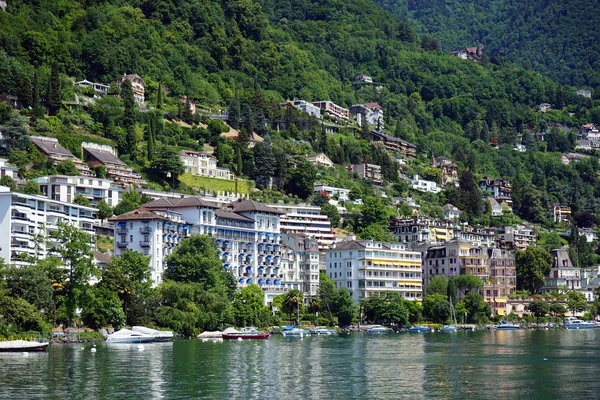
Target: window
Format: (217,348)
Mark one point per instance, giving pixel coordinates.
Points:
(130,238)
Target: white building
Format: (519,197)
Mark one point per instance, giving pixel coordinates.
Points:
(9,170)
(332,191)
(423,185)
(368,268)
(24,218)
(202,164)
(451,212)
(99,88)
(137,85)
(516,237)
(307,108)
(306,220)
(319,159)
(496,207)
(370,113)
(65,188)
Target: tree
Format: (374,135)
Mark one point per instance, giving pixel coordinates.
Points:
(451,292)
(477,309)
(576,302)
(21,313)
(31,284)
(151,139)
(104,210)
(167,164)
(376,232)
(469,194)
(437,285)
(128,104)
(346,309)
(196,260)
(74,248)
(81,200)
(467,283)
(533,266)
(15,135)
(332,213)
(265,162)
(38,111)
(159,96)
(127,276)
(114,90)
(292,302)
(249,308)
(234,113)
(538,308)
(130,201)
(557,309)
(54,99)
(436,308)
(31,187)
(8,182)
(101,307)
(246,126)
(101,172)
(300,180)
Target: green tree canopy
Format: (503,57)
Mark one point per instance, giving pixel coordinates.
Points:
(533,266)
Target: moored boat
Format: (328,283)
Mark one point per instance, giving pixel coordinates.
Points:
(159,336)
(249,333)
(378,329)
(507,326)
(295,332)
(129,336)
(322,330)
(22,346)
(448,328)
(574,323)
(419,329)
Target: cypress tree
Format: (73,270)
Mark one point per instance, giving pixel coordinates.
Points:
(38,112)
(239,162)
(54,99)
(159,98)
(151,132)
(234,113)
(128,104)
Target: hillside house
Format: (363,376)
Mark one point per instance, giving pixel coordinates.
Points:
(560,213)
(100,88)
(448,168)
(584,93)
(470,53)
(201,164)
(137,84)
(394,144)
(333,109)
(451,212)
(320,159)
(363,78)
(424,185)
(51,149)
(116,170)
(370,113)
(371,172)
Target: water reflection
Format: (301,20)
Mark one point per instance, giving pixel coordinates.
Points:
(519,364)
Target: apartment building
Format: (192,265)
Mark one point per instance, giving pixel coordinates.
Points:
(65,188)
(137,84)
(502,280)
(9,170)
(202,164)
(303,263)
(307,108)
(332,191)
(563,272)
(116,170)
(52,150)
(333,109)
(424,185)
(26,218)
(370,113)
(306,220)
(516,237)
(371,172)
(368,268)
(100,88)
(421,229)
(394,144)
(560,213)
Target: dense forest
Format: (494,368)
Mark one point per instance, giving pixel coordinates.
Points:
(550,37)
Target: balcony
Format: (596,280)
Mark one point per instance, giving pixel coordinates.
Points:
(146,230)
(144,243)
(122,245)
(122,230)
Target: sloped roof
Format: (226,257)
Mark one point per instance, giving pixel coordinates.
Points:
(253,206)
(49,146)
(348,245)
(139,214)
(373,106)
(105,157)
(192,201)
(232,215)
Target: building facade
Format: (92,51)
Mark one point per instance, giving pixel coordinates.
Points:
(306,220)
(28,222)
(65,188)
(332,191)
(52,150)
(368,268)
(371,172)
(202,164)
(394,144)
(137,84)
(370,113)
(333,109)
(116,170)
(424,185)
(502,280)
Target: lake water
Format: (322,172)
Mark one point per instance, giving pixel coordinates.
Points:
(465,365)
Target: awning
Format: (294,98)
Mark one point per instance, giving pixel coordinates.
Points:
(269,282)
(186,227)
(242,280)
(249,270)
(277,282)
(248,280)
(226,266)
(269,258)
(122,223)
(269,234)
(261,269)
(269,245)
(261,281)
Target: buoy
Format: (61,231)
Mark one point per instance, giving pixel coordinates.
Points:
(82,348)
(239,339)
(94,345)
(93,350)
(545,359)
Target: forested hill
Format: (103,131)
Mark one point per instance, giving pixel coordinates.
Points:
(556,38)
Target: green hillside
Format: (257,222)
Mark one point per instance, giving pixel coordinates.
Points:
(552,37)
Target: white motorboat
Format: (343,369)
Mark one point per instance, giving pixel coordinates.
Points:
(378,329)
(295,332)
(128,336)
(574,323)
(448,328)
(159,336)
(322,330)
(507,326)
(22,346)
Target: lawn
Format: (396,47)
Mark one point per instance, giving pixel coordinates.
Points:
(224,185)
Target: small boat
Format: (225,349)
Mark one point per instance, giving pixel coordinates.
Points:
(419,329)
(322,330)
(448,328)
(245,333)
(295,332)
(159,336)
(22,345)
(208,336)
(507,326)
(128,336)
(378,329)
(574,323)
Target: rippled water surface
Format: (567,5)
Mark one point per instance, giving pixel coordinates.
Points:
(466,365)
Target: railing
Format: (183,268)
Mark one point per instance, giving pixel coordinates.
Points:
(122,245)
(122,230)
(144,243)
(146,230)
